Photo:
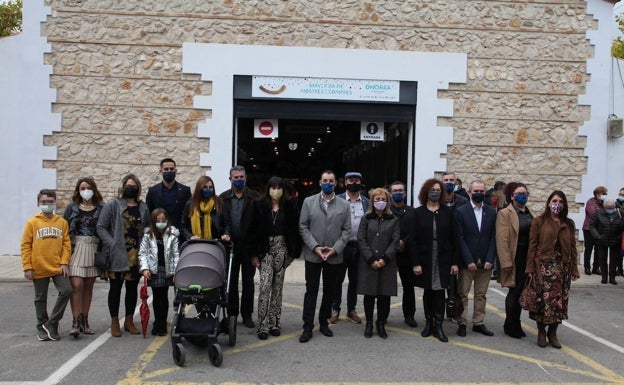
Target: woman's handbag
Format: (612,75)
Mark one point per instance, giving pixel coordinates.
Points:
(102,259)
(454,304)
(530,299)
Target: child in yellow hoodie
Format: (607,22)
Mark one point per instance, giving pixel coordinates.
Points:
(46,249)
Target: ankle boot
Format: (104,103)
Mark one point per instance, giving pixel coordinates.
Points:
(84,325)
(428,327)
(115,330)
(438,331)
(129,325)
(381,329)
(511,328)
(552,336)
(541,335)
(368,329)
(75,330)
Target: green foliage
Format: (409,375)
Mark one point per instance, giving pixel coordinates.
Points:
(617,48)
(10,17)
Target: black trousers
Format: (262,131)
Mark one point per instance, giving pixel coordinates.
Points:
(383,307)
(589,247)
(313,272)
(609,258)
(512,302)
(409,298)
(114,295)
(349,266)
(434,303)
(244,266)
(161,306)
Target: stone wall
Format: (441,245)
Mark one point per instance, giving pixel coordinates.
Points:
(125,103)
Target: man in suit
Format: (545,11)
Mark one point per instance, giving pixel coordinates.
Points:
(169,194)
(324,225)
(476,237)
(351,254)
(238,204)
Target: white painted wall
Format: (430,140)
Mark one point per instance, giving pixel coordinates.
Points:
(25,108)
(605,163)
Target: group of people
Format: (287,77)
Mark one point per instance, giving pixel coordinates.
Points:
(448,238)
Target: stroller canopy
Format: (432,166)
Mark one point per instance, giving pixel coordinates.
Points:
(202,262)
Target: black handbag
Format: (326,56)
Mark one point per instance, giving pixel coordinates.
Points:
(102,259)
(454,304)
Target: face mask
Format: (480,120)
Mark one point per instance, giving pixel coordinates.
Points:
(206,193)
(398,197)
(276,193)
(456,188)
(86,194)
(161,225)
(169,176)
(610,211)
(449,187)
(478,197)
(238,183)
(521,198)
(556,208)
(47,209)
(602,197)
(130,192)
(354,187)
(380,205)
(434,196)
(327,188)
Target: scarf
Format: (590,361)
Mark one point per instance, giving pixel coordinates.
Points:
(196,227)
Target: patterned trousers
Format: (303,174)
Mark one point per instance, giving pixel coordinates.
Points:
(271,284)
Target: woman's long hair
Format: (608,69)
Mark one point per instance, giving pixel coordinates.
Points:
(276,182)
(196,198)
(123,184)
(152,223)
(564,212)
(97,197)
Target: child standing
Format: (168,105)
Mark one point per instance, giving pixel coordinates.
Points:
(158,256)
(46,249)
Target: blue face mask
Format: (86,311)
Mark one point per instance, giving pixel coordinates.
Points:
(398,197)
(207,193)
(327,188)
(521,198)
(238,183)
(449,187)
(610,211)
(620,198)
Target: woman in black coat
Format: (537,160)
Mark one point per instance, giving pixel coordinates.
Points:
(378,242)
(433,253)
(276,236)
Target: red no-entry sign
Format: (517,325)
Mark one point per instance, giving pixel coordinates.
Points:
(266,128)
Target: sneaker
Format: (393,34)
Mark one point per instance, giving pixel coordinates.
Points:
(334,316)
(354,317)
(42,335)
(52,330)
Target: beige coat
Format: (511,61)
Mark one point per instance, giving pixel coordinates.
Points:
(507,228)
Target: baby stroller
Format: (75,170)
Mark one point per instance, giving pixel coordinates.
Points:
(201,279)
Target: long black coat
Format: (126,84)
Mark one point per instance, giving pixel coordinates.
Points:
(422,241)
(378,238)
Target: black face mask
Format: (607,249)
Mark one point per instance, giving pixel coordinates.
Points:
(169,176)
(354,187)
(130,192)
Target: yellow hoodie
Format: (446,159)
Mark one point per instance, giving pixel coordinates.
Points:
(45,245)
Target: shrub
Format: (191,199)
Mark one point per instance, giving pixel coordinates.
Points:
(10,17)
(617,48)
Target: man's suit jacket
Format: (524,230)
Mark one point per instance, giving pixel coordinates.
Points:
(321,228)
(154,200)
(475,245)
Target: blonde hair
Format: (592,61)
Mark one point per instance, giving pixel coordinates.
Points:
(372,193)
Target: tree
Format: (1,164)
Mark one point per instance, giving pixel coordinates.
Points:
(617,48)
(10,17)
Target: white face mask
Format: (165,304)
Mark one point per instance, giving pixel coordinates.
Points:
(86,194)
(161,225)
(47,209)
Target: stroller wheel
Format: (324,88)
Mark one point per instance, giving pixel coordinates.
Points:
(215,354)
(179,354)
(232,327)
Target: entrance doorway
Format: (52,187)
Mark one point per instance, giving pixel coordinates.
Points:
(305,147)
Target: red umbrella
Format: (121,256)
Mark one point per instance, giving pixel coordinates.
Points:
(144,310)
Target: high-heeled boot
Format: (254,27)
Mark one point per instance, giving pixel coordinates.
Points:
(129,325)
(428,327)
(368,329)
(115,329)
(438,331)
(541,335)
(381,329)
(84,325)
(75,330)
(552,336)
